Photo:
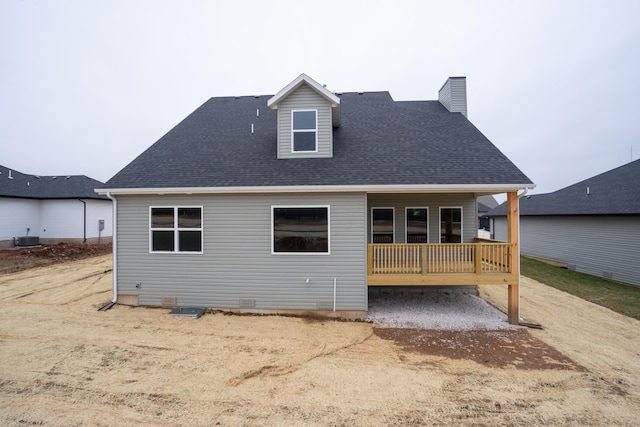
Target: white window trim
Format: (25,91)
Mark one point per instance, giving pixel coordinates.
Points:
(406,216)
(293,132)
(393,226)
(176,230)
(461,222)
(274,207)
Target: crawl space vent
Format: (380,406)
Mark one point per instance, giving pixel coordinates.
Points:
(324,305)
(169,301)
(247,303)
(187,312)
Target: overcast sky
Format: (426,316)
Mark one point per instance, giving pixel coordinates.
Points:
(87,86)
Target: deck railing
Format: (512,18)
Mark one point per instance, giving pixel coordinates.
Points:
(411,258)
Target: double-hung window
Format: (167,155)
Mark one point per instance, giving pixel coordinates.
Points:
(300,229)
(382,225)
(175,229)
(450,225)
(304,130)
(417,225)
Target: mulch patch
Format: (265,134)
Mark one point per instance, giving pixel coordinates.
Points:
(14,260)
(500,349)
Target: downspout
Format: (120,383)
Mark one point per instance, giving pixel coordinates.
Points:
(84,230)
(524,193)
(114,246)
(335,285)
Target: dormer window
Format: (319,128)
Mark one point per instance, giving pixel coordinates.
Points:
(307,114)
(304,131)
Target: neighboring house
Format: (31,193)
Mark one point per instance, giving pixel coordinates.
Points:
(592,226)
(485,205)
(50,209)
(300,201)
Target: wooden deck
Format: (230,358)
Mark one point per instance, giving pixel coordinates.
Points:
(444,264)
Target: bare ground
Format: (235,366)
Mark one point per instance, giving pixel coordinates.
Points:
(20,259)
(64,363)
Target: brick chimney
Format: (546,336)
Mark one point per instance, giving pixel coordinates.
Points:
(453,95)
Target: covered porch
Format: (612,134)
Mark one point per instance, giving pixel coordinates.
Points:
(483,262)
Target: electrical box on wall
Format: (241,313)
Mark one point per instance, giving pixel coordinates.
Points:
(101,224)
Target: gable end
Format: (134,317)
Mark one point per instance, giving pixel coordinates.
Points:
(304,99)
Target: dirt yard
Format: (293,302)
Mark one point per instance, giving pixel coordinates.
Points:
(19,259)
(64,363)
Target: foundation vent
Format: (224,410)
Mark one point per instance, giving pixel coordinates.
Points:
(324,305)
(247,303)
(607,275)
(169,301)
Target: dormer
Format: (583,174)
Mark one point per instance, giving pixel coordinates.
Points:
(307,113)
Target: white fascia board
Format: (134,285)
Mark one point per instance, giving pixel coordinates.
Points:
(453,188)
(302,78)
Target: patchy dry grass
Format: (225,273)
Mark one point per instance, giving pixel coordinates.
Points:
(624,299)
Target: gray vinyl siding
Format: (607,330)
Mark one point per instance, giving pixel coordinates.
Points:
(499,229)
(431,201)
(604,246)
(237,263)
(305,98)
(453,95)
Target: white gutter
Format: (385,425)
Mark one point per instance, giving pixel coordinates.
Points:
(412,188)
(335,285)
(524,193)
(114,228)
(84,226)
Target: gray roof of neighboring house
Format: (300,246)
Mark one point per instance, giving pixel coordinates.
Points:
(379,142)
(616,192)
(486,203)
(18,184)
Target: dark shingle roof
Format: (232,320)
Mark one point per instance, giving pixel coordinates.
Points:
(379,142)
(616,192)
(486,203)
(483,208)
(18,184)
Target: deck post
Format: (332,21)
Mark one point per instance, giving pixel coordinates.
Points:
(512,232)
(478,257)
(424,250)
(370,260)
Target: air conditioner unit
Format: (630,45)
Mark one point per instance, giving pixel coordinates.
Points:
(28,241)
